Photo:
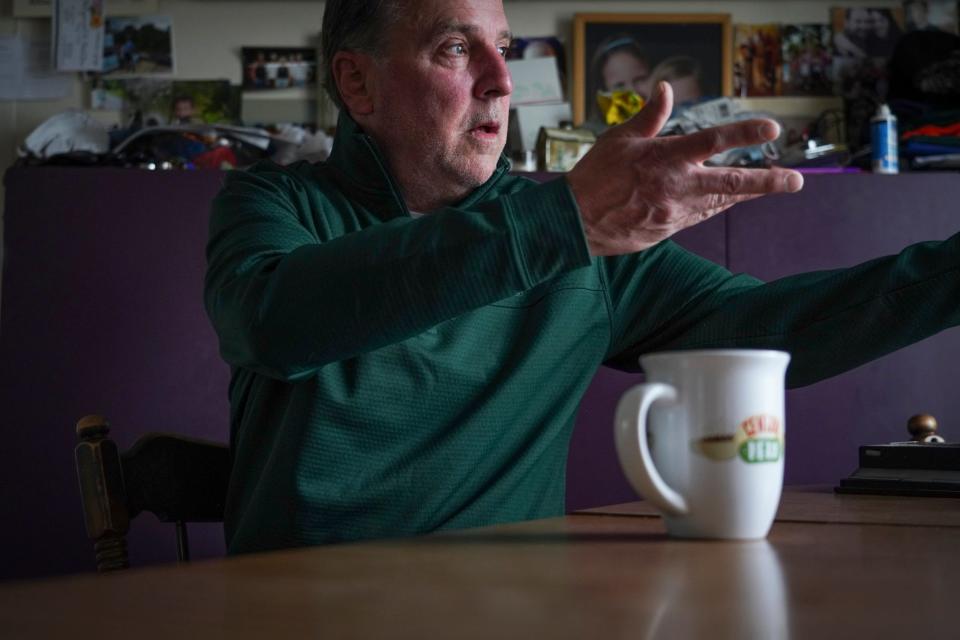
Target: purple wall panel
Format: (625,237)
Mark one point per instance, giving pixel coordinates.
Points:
(838,221)
(102,313)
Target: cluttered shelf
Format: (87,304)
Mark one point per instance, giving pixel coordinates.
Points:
(538,139)
(824,79)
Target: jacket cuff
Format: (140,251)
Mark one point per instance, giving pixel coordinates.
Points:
(546,231)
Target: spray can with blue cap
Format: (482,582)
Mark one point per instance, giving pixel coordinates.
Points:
(883,138)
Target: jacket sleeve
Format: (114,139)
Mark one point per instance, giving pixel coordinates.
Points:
(829,321)
(287,296)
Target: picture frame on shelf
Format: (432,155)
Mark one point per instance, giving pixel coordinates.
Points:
(619,51)
(277,68)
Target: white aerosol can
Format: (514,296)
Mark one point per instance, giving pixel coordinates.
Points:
(883,137)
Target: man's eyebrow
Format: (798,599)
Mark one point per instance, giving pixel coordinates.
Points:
(444,28)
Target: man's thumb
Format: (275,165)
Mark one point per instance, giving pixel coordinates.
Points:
(648,122)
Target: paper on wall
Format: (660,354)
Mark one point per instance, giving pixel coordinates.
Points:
(78,35)
(43,8)
(535,81)
(26,72)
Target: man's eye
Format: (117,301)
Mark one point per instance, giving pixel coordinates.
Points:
(503,51)
(458,49)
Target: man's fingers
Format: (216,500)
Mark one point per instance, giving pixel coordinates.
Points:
(719,204)
(731,182)
(722,203)
(701,145)
(648,122)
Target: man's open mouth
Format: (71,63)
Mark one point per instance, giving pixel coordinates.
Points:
(487,128)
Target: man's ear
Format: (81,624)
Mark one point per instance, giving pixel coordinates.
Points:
(353,74)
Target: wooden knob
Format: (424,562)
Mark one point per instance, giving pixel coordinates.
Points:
(92,427)
(921,426)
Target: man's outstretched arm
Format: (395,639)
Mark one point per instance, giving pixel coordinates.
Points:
(830,321)
(291,287)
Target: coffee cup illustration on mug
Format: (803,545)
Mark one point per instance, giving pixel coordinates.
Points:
(703,439)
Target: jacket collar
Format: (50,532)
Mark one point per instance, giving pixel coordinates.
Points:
(361,170)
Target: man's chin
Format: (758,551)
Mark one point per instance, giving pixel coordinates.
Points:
(476,173)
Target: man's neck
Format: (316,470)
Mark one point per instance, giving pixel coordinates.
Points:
(422,192)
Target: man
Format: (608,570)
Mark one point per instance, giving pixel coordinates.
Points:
(410,328)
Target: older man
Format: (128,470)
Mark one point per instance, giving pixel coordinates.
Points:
(410,328)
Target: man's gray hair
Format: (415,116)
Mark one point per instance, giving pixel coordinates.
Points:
(354,25)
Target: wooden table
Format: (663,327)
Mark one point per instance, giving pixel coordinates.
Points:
(832,567)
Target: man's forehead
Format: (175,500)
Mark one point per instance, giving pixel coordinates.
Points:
(432,18)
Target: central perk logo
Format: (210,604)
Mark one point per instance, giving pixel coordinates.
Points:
(759,438)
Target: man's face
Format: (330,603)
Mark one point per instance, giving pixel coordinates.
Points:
(442,94)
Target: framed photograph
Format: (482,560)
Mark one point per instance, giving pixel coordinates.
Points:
(278,67)
(619,51)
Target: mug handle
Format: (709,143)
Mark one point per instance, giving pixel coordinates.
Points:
(632,449)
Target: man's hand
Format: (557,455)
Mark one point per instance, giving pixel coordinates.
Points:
(634,189)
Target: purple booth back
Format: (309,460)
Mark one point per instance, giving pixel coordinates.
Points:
(102,313)
(836,221)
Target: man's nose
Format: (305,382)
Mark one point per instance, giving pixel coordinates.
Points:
(493,80)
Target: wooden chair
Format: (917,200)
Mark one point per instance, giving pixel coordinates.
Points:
(179,479)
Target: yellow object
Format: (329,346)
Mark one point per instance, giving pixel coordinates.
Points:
(619,106)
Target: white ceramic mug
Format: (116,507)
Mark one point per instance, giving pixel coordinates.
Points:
(711,459)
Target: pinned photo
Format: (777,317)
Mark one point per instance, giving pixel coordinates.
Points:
(138,46)
(931,15)
(807,54)
(160,102)
(756,60)
(865,32)
(863,40)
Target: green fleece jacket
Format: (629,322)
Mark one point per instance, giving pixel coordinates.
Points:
(394,375)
